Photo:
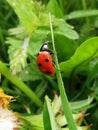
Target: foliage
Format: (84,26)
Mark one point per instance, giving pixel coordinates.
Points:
(25,26)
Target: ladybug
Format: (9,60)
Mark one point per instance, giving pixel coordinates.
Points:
(44,60)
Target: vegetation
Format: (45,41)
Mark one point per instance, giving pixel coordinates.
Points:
(68,100)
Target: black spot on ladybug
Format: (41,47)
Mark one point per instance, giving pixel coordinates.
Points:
(49,72)
(39,64)
(46,60)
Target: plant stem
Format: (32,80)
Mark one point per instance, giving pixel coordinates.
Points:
(64,100)
(18,82)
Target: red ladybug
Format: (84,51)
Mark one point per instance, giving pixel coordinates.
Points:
(44,60)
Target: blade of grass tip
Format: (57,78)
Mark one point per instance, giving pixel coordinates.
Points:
(49,116)
(18,82)
(64,100)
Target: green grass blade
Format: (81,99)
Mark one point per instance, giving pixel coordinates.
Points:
(18,82)
(81,14)
(64,100)
(48,116)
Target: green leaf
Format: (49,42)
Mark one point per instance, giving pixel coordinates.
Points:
(86,51)
(68,45)
(17,65)
(54,9)
(36,42)
(48,116)
(81,105)
(30,72)
(27,17)
(81,14)
(32,122)
(36,121)
(66,30)
(25,125)
(15,44)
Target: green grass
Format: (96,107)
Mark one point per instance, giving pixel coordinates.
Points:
(73,30)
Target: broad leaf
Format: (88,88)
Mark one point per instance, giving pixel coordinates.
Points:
(23,9)
(66,30)
(86,51)
(68,45)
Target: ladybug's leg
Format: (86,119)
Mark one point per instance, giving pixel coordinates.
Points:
(55,66)
(51,52)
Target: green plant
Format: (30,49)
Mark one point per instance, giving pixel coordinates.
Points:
(76,57)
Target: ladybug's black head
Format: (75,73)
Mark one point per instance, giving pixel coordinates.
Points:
(45,46)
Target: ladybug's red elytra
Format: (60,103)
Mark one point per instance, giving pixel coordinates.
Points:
(44,60)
